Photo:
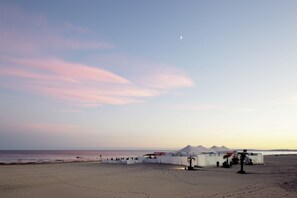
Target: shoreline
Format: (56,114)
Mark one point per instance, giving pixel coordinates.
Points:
(95,160)
(40,163)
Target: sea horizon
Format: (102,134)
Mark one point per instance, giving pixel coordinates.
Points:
(60,156)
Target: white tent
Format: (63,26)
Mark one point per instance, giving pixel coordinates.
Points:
(220,149)
(203,149)
(225,148)
(189,150)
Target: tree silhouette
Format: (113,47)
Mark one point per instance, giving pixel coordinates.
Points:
(190,161)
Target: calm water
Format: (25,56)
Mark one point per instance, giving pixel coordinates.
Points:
(65,156)
(43,156)
(277,152)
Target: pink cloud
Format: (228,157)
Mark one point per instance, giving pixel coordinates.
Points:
(88,86)
(18,72)
(72,83)
(85,95)
(170,81)
(69,70)
(161,77)
(166,77)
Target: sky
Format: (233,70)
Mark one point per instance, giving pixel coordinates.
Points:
(148,74)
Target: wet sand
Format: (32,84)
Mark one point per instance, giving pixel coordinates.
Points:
(277,178)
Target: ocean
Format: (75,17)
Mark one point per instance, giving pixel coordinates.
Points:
(53,156)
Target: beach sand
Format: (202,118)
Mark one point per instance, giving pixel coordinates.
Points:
(277,178)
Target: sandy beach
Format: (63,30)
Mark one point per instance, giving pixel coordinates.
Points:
(277,178)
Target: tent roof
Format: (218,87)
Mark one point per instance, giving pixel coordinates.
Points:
(191,150)
(226,148)
(188,149)
(194,150)
(220,149)
(204,149)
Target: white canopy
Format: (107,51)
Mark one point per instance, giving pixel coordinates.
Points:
(220,149)
(204,149)
(191,150)
(188,150)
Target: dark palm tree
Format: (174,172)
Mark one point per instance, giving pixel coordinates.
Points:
(190,160)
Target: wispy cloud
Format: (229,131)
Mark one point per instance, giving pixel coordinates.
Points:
(80,84)
(196,107)
(207,107)
(169,81)
(158,76)
(70,81)
(67,70)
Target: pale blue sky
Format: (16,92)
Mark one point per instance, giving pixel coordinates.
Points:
(115,74)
